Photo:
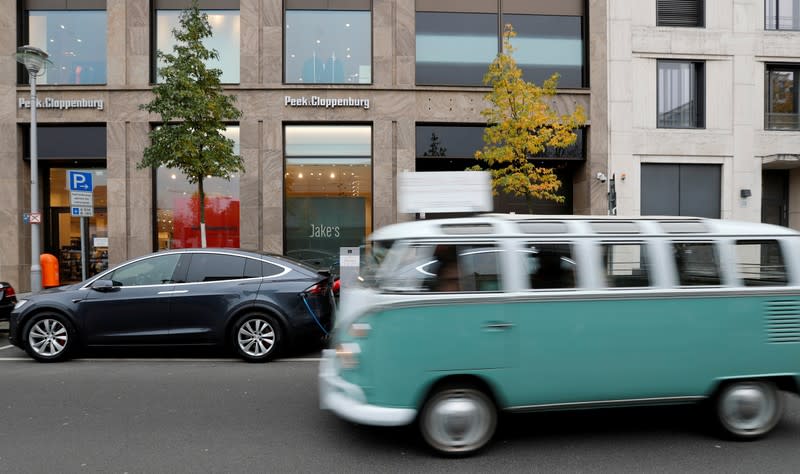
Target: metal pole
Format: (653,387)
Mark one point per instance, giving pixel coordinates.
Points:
(36,268)
(83,248)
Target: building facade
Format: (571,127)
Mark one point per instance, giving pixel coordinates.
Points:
(703,108)
(338,98)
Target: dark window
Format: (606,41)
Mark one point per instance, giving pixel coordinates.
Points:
(681,94)
(760,263)
(214,267)
(268,269)
(549,266)
(157,270)
(626,265)
(697,263)
(252,268)
(782,102)
(681,190)
(782,15)
(680,13)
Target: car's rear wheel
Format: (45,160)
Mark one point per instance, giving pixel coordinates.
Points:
(49,337)
(748,409)
(257,337)
(458,420)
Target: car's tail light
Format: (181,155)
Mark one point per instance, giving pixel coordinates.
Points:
(8,292)
(337,285)
(317,289)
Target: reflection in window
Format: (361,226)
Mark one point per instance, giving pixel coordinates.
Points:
(455,48)
(328,47)
(156,270)
(783,109)
(760,263)
(681,94)
(225,40)
(550,265)
(178,207)
(214,267)
(782,15)
(75,41)
(625,265)
(328,186)
(697,263)
(546,44)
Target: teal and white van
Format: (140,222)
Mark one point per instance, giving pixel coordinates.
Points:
(457,319)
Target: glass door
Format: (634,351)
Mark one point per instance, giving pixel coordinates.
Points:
(64,230)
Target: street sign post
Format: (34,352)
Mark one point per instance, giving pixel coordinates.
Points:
(81,203)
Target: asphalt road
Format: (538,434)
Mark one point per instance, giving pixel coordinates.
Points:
(195,412)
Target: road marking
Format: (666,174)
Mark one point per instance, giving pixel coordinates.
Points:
(6,347)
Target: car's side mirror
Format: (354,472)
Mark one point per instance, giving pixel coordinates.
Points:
(104,286)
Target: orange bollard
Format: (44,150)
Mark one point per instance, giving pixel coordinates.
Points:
(49,265)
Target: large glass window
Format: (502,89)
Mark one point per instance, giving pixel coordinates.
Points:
(782,15)
(782,106)
(328,46)
(178,204)
(681,94)
(75,41)
(224,39)
(456,47)
(328,186)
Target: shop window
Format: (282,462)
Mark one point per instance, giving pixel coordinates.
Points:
(223,17)
(783,103)
(328,186)
(178,207)
(456,43)
(74,36)
(328,42)
(681,94)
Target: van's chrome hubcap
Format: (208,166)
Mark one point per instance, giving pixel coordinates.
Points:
(748,408)
(256,337)
(48,337)
(458,420)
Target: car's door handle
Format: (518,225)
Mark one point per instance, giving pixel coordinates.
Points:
(497,326)
(173,292)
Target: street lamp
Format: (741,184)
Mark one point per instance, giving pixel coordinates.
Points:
(34,60)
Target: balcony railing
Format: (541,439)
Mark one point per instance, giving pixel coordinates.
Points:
(783,121)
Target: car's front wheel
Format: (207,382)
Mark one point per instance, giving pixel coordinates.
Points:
(748,409)
(49,337)
(458,420)
(257,337)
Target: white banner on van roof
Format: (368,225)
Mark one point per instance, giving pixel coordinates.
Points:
(444,191)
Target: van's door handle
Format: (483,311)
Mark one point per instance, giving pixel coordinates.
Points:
(498,326)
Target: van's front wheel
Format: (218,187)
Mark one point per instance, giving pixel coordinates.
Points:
(749,409)
(458,420)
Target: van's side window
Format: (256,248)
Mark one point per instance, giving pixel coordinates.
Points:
(465,267)
(625,265)
(760,263)
(697,263)
(550,265)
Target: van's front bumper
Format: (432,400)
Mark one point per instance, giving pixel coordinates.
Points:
(349,402)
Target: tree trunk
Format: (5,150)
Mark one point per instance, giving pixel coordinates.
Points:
(202,213)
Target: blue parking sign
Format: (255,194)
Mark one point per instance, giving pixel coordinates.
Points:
(79,180)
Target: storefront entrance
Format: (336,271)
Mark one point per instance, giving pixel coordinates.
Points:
(63,231)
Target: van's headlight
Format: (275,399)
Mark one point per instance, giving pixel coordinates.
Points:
(20,303)
(347,353)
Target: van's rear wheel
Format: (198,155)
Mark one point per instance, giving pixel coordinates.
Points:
(748,409)
(458,420)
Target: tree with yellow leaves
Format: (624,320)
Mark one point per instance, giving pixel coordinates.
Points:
(521,125)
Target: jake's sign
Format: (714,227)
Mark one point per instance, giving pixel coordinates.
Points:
(62,104)
(325,102)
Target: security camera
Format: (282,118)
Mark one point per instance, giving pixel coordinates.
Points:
(601,177)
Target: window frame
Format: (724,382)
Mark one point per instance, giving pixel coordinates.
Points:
(769,68)
(698,69)
(340,5)
(776,17)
